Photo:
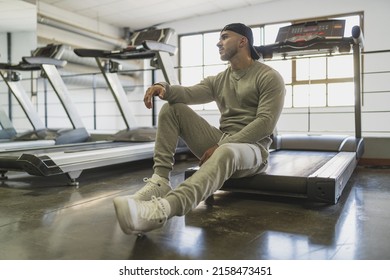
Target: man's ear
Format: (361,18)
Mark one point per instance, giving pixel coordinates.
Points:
(243,42)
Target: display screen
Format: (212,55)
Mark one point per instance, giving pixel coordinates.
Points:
(307,31)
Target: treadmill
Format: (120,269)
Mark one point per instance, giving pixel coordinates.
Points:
(313,167)
(72,159)
(7,130)
(150,44)
(43,59)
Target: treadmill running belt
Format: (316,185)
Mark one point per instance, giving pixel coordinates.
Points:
(297,163)
(288,172)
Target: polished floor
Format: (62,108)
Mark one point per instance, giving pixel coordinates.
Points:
(41,218)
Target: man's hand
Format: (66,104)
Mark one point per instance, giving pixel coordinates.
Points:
(154,90)
(207,154)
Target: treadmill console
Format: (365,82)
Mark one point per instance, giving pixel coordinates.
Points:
(307,31)
(49,55)
(49,51)
(142,45)
(308,38)
(157,35)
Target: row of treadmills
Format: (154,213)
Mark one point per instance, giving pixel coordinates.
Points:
(314,167)
(48,152)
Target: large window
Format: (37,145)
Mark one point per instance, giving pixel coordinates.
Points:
(311,81)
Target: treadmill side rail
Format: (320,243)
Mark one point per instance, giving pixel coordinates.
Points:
(39,165)
(328,182)
(72,163)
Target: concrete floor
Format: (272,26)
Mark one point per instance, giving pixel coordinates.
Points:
(43,219)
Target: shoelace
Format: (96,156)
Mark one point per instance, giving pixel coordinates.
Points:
(153,212)
(149,180)
(147,190)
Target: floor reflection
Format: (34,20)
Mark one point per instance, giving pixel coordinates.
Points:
(67,223)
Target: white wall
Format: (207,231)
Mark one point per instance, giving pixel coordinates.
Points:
(79,31)
(22,42)
(20,23)
(21,45)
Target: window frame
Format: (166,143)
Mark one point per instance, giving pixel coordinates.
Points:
(294,81)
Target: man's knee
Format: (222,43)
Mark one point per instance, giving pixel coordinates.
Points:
(242,154)
(227,151)
(244,159)
(165,108)
(176,109)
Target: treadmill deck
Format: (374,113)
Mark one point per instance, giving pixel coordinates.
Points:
(316,175)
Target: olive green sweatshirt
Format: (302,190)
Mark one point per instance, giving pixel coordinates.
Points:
(250,102)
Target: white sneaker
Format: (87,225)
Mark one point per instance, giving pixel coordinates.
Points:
(155,186)
(137,216)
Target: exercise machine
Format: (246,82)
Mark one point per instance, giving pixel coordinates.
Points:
(150,44)
(7,130)
(42,59)
(314,167)
(72,159)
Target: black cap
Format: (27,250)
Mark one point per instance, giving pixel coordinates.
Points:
(243,30)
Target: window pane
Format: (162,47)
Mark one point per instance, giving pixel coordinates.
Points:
(191,76)
(310,95)
(213,70)
(256,36)
(341,94)
(311,68)
(211,55)
(191,50)
(340,66)
(283,67)
(317,95)
(302,67)
(318,68)
(301,96)
(288,98)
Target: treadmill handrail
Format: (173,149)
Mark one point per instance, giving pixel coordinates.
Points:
(158,46)
(39,60)
(22,66)
(357,36)
(7,130)
(148,49)
(24,101)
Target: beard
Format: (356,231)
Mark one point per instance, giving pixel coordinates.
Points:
(228,54)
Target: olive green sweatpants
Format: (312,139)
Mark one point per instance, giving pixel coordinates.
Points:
(229,160)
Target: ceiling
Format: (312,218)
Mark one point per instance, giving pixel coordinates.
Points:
(140,14)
